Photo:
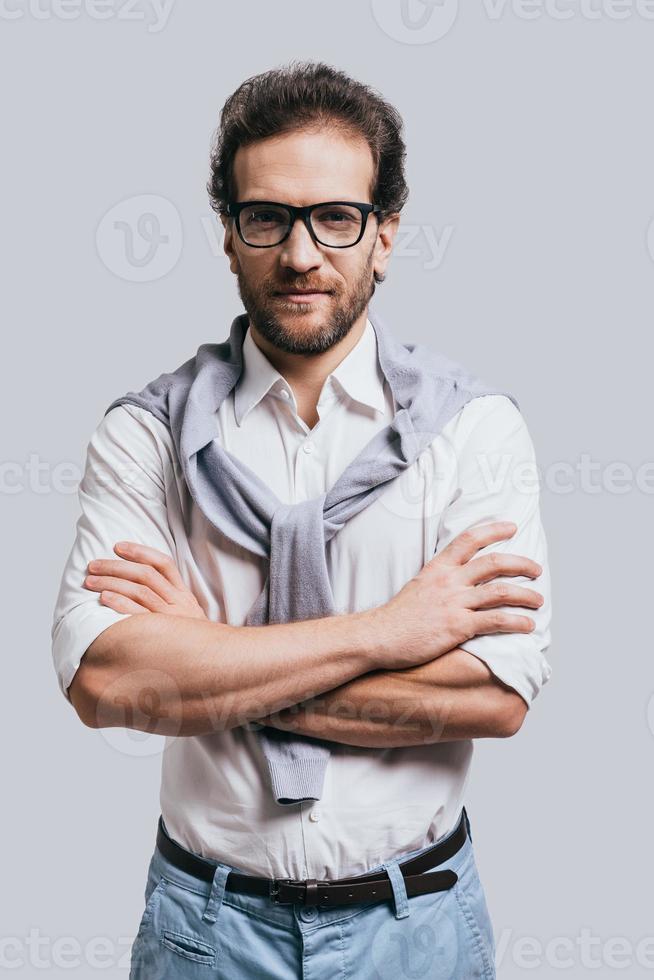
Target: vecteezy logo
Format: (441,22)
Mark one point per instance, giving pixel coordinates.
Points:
(415,21)
(131,708)
(426,944)
(140,239)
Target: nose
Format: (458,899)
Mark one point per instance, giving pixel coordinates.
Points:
(299,251)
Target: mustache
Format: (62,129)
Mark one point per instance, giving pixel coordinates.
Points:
(317,287)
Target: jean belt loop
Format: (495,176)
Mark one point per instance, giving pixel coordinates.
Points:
(217,892)
(400,897)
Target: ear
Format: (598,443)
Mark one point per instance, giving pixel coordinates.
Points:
(228,242)
(384,244)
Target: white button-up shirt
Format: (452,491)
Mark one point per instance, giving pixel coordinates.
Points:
(377,802)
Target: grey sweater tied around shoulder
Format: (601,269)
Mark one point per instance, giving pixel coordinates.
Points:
(429,389)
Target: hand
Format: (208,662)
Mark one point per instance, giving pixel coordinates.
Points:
(446,602)
(145,580)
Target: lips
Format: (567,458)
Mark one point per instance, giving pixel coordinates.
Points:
(298,297)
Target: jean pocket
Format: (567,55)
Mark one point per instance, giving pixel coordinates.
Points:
(475,918)
(189,947)
(141,952)
(153,894)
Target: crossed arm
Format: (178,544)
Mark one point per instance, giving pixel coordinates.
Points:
(455,696)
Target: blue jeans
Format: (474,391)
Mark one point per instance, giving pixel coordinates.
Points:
(192,928)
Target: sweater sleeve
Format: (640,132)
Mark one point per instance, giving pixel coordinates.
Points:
(122,497)
(497,480)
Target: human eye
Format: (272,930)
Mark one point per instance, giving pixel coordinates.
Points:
(264,216)
(337,215)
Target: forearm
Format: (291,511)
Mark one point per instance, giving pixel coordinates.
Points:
(452,697)
(174,675)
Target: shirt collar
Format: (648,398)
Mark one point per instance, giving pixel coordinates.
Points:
(358,374)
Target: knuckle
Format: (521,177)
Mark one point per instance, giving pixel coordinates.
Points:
(434,567)
(465,624)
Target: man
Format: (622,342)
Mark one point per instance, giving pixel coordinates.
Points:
(434,640)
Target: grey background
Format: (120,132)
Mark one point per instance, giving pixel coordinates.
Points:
(530,139)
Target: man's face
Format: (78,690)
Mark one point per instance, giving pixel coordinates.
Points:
(304,168)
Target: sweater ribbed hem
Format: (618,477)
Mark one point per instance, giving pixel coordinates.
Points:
(298,780)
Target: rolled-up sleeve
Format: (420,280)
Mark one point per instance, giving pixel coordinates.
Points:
(122,497)
(497,480)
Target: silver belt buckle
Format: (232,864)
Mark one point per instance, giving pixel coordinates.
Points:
(311,887)
(274,889)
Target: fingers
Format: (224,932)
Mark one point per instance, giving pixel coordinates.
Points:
(465,545)
(497,563)
(121,603)
(140,594)
(164,564)
(497,621)
(502,594)
(153,585)
(134,572)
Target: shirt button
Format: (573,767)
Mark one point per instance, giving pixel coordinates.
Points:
(308,447)
(314,816)
(284,393)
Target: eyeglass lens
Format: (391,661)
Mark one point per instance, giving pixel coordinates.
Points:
(335,224)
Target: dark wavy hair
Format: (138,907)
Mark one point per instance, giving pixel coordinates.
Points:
(310,95)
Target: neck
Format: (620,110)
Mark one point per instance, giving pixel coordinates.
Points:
(306,373)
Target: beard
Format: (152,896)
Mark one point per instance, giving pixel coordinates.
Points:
(344,309)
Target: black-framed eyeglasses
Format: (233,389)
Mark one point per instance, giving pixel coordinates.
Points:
(336,224)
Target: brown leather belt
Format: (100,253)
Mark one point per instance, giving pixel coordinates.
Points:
(372,887)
